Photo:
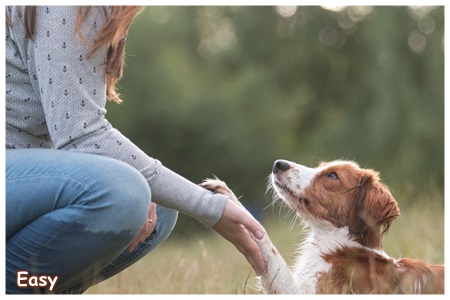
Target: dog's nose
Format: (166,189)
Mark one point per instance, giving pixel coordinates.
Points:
(280,165)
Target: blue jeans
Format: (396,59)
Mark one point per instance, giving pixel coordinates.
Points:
(73,215)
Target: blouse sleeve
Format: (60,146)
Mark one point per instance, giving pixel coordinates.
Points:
(72,90)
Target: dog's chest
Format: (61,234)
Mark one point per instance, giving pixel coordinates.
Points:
(310,263)
(309,266)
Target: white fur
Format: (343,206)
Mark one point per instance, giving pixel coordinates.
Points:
(323,239)
(304,177)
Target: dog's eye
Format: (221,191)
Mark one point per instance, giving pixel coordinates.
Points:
(333,175)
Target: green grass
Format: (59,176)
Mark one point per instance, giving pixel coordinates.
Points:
(208,264)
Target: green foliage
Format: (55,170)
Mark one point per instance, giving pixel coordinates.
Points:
(227,90)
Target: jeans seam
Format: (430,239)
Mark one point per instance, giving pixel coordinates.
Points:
(44,176)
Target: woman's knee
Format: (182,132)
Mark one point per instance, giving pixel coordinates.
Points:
(124,193)
(113,195)
(102,193)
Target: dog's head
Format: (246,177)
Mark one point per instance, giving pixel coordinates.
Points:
(341,193)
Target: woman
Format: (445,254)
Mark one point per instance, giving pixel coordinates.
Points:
(78,192)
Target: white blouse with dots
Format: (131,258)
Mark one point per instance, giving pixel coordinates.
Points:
(56,96)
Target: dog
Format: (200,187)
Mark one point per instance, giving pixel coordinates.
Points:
(347,210)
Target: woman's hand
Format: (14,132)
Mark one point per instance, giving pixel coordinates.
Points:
(149,225)
(234,226)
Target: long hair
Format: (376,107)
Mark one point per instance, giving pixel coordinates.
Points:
(113,34)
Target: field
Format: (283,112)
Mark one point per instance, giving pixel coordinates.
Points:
(207,264)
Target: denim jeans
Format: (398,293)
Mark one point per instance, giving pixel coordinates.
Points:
(73,215)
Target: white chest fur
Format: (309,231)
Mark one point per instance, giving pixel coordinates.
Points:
(310,264)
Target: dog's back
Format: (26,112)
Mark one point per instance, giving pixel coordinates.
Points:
(362,271)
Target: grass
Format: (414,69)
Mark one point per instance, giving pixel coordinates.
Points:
(208,264)
(201,265)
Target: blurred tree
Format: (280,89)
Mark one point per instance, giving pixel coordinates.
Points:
(227,90)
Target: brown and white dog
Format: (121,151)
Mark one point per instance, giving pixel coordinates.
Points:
(347,210)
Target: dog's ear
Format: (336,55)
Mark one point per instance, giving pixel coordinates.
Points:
(374,209)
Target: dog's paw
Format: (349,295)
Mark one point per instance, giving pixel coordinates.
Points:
(217,186)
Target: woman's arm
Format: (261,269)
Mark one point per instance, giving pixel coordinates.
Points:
(73,95)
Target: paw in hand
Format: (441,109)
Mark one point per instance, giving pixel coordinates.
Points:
(217,186)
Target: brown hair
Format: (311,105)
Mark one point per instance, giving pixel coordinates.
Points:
(112,34)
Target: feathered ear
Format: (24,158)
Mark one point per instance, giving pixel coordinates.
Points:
(373,211)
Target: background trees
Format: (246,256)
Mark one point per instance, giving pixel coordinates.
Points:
(227,90)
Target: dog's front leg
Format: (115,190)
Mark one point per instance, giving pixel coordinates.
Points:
(279,278)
